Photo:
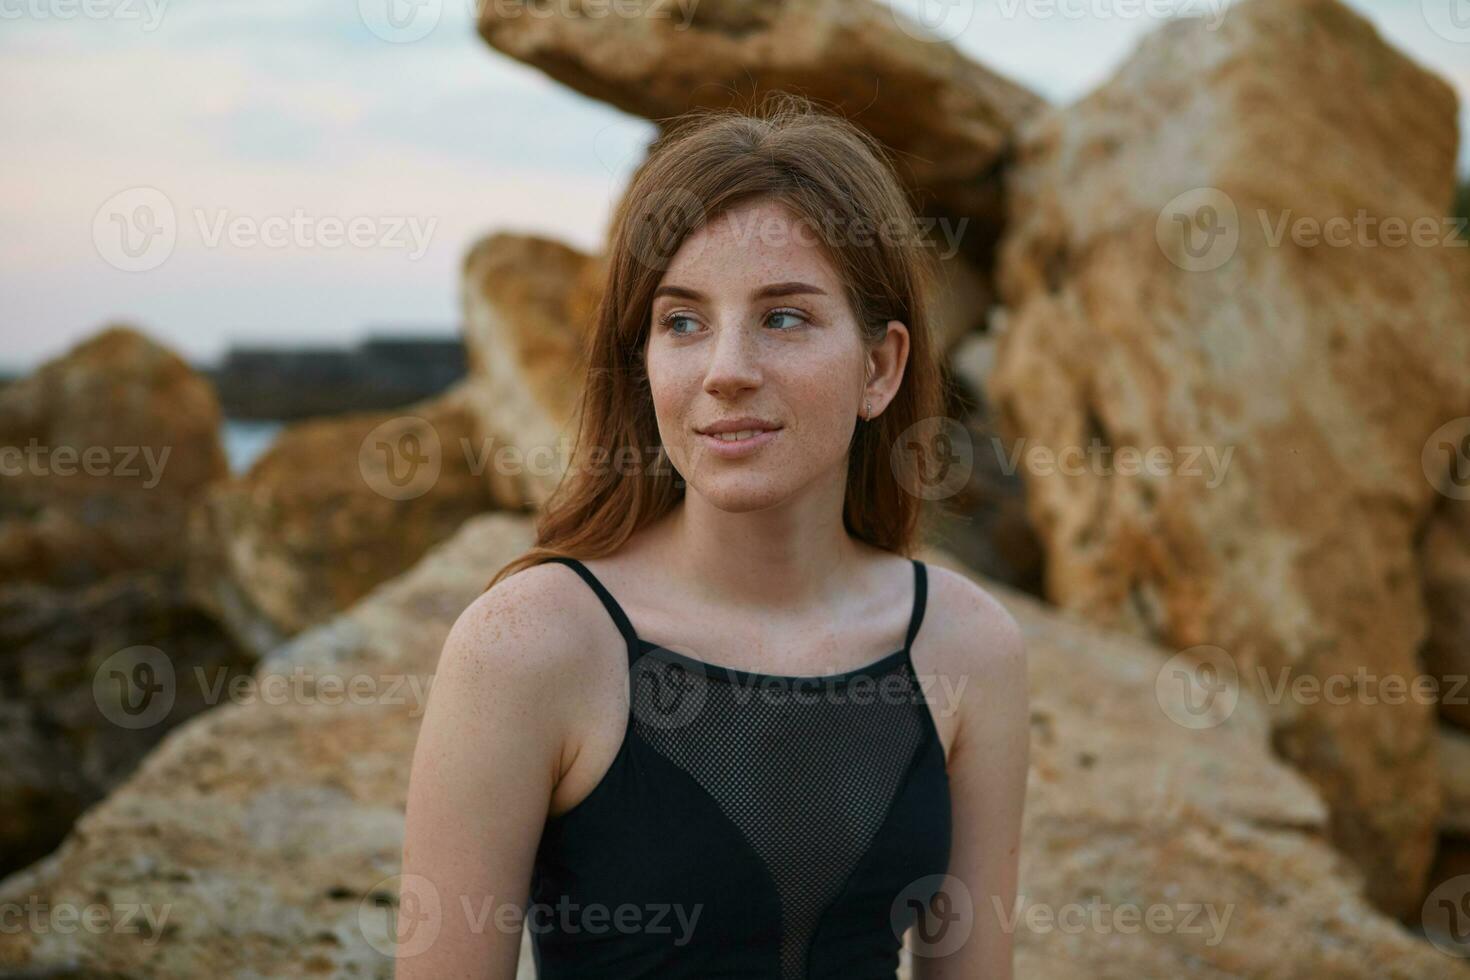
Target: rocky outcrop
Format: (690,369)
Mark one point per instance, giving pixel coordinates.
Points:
(262,838)
(1444,555)
(334,507)
(948,118)
(102,452)
(528,308)
(75,718)
(984,522)
(269,830)
(104,449)
(1284,388)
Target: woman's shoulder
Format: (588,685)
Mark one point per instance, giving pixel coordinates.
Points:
(968,626)
(536,621)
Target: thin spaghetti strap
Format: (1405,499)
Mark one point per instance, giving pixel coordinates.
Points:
(619,618)
(921,594)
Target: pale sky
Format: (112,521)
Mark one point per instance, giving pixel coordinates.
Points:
(272,130)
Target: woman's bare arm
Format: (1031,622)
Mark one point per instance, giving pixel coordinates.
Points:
(487,759)
(987,769)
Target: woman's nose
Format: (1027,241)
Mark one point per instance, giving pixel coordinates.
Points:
(734,361)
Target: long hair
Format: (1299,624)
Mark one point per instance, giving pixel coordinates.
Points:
(828,173)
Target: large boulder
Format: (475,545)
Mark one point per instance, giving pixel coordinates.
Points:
(1444,554)
(528,307)
(1284,389)
(263,838)
(948,118)
(334,507)
(67,738)
(104,449)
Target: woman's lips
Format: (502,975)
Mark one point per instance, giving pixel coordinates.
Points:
(737,448)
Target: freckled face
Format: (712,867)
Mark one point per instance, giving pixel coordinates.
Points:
(750,319)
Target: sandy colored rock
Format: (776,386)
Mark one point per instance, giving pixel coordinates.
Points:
(962,299)
(334,507)
(528,307)
(948,118)
(1294,385)
(984,522)
(271,827)
(1454,775)
(62,664)
(1444,554)
(266,826)
(105,448)
(1130,813)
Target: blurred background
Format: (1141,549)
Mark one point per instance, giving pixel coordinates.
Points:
(292,300)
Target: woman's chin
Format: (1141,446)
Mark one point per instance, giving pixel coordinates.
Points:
(740,493)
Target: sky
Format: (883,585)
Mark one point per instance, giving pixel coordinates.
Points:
(313,171)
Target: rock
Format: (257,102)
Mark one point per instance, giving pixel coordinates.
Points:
(984,522)
(948,118)
(265,827)
(334,507)
(1294,385)
(1128,809)
(1444,555)
(528,309)
(270,829)
(962,299)
(1454,777)
(104,449)
(63,731)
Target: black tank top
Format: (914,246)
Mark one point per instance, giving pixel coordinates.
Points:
(750,826)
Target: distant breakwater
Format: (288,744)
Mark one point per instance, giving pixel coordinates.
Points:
(260,382)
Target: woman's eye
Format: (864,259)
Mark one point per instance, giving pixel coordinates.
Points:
(673,318)
(797,319)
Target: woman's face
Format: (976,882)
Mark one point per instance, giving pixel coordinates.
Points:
(751,321)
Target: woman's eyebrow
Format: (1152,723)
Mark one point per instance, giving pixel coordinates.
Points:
(765,292)
(786,289)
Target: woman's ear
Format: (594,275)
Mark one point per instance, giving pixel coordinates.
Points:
(886,361)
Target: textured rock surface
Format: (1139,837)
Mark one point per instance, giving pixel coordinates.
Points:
(105,447)
(61,657)
(1320,370)
(528,306)
(1444,553)
(1454,774)
(334,507)
(268,826)
(270,829)
(948,117)
(984,524)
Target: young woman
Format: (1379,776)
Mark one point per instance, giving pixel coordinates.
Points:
(717,724)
